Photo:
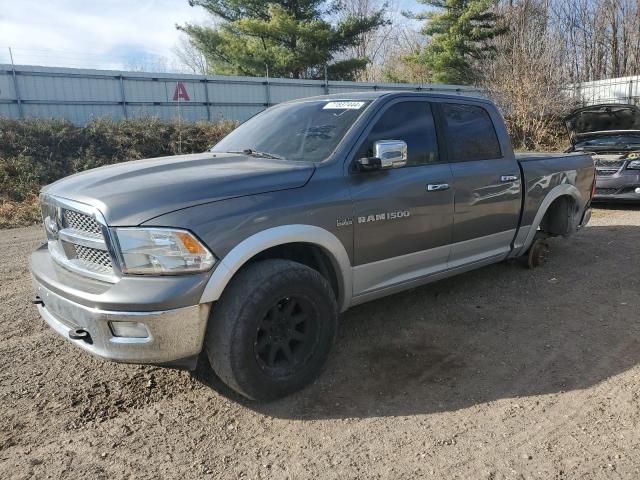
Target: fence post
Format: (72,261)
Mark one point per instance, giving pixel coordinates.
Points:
(124,98)
(631,91)
(15,85)
(206,99)
(326,80)
(577,93)
(267,87)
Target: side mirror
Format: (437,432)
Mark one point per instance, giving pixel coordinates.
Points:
(387,154)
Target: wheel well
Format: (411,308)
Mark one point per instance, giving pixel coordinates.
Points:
(308,254)
(561,218)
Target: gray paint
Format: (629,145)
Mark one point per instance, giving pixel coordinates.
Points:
(543,172)
(132,192)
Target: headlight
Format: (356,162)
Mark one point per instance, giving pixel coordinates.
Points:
(161,251)
(634,165)
(50,215)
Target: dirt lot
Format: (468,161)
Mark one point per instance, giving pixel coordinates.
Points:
(498,373)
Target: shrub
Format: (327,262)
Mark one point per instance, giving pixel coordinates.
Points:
(36,152)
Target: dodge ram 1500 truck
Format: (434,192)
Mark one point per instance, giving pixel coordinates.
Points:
(251,250)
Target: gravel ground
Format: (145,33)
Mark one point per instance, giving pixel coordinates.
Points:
(497,373)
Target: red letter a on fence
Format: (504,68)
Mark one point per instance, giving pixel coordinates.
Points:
(180,92)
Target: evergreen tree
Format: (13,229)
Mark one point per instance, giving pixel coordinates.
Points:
(292,38)
(460,32)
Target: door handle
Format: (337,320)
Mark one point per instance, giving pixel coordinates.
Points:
(508,178)
(436,187)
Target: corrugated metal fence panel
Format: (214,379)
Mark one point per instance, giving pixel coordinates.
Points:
(78,114)
(80,95)
(612,90)
(7,91)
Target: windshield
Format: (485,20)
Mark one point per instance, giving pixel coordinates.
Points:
(618,141)
(303,131)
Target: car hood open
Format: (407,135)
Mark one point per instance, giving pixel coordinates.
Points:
(133,192)
(600,118)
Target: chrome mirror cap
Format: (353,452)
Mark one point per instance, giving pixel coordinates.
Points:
(392,153)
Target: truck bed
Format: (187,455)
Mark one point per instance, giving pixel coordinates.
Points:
(574,169)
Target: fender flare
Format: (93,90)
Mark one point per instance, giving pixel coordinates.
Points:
(272,237)
(554,194)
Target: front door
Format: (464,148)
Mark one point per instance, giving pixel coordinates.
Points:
(403,216)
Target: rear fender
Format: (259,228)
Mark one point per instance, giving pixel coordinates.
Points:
(555,193)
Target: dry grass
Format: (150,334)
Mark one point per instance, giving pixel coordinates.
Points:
(34,153)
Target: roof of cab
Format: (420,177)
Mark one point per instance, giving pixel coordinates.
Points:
(374,95)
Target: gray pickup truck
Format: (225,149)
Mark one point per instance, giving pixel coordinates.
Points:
(250,251)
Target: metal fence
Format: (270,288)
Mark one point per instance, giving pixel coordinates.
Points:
(82,95)
(612,90)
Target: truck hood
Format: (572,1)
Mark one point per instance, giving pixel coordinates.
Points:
(133,192)
(601,118)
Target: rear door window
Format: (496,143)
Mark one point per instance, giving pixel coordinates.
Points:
(470,132)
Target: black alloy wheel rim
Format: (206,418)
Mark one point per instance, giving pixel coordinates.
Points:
(286,336)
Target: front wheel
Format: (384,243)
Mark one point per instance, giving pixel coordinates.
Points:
(271,331)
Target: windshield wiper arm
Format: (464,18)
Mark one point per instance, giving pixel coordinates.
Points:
(256,153)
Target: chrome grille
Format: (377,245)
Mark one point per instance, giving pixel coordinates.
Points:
(601,172)
(606,191)
(94,259)
(75,238)
(609,164)
(82,223)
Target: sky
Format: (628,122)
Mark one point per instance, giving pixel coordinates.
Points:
(117,34)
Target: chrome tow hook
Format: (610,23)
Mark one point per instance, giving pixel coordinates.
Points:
(37,301)
(80,334)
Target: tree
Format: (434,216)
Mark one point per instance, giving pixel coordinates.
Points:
(524,75)
(386,46)
(291,38)
(190,58)
(460,32)
(602,38)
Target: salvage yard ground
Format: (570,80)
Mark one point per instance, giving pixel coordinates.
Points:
(497,373)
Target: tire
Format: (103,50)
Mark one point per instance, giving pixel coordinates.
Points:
(270,333)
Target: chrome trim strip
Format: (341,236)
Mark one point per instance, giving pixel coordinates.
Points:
(73,236)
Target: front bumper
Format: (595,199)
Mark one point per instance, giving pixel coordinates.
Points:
(620,187)
(175,335)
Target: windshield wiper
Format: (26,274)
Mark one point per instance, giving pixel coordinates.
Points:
(256,153)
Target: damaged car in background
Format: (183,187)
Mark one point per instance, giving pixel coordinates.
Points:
(611,133)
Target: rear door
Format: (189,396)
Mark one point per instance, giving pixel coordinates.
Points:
(402,224)
(486,179)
